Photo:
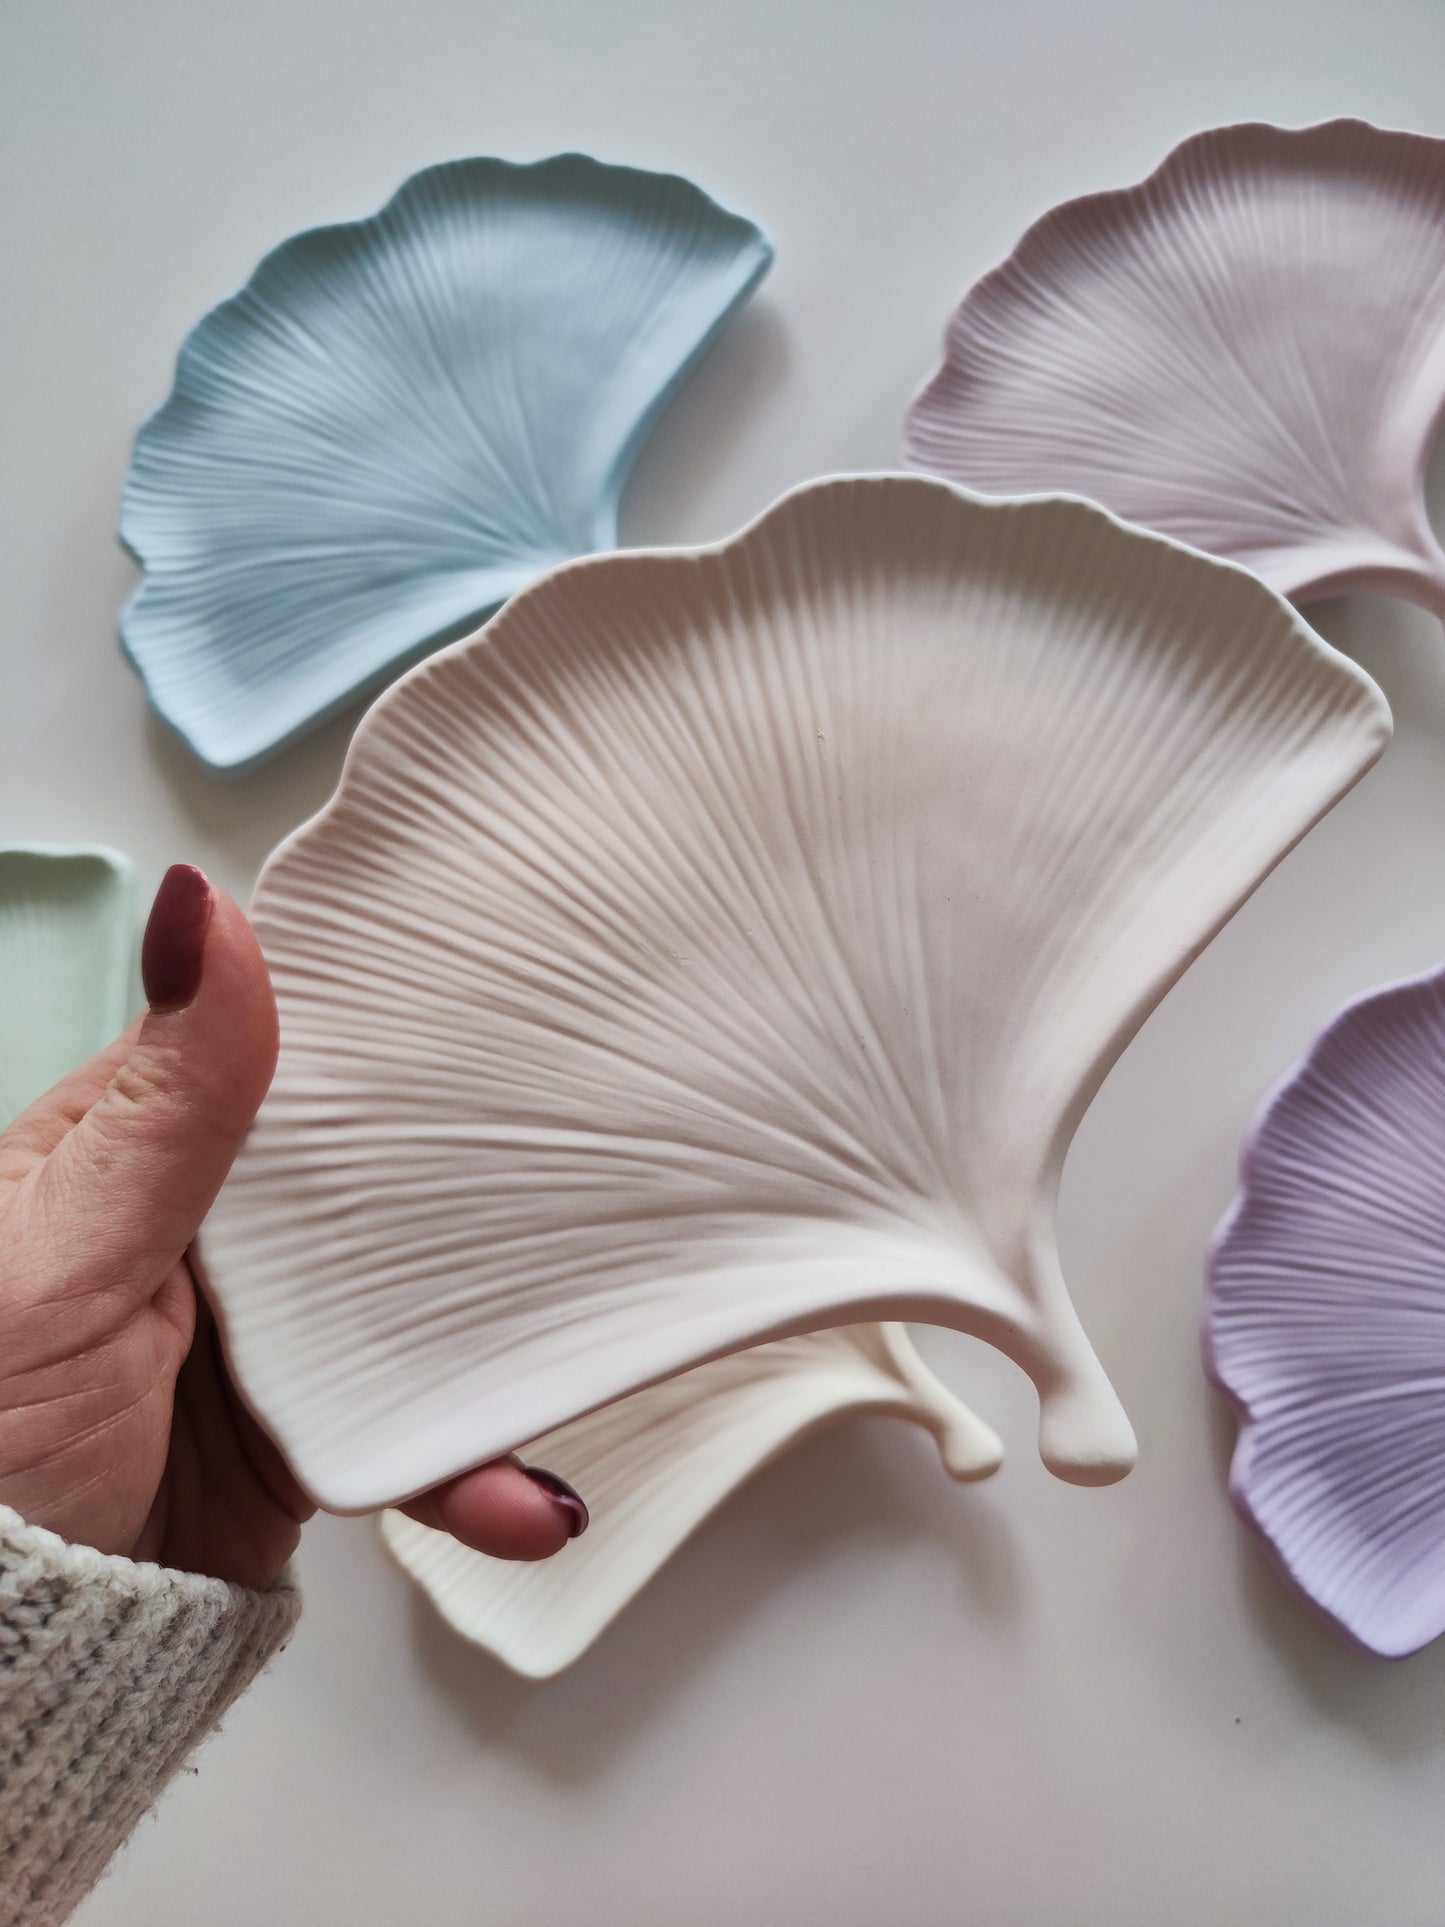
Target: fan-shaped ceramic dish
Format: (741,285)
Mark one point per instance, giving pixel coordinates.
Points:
(67,950)
(399,421)
(654,1466)
(725,944)
(1246,351)
(1326,1320)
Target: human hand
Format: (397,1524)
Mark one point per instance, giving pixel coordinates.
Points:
(119,1427)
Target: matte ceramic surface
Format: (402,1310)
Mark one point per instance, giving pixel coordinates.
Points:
(653,1467)
(726,944)
(67,949)
(1327,1320)
(1245,351)
(399,421)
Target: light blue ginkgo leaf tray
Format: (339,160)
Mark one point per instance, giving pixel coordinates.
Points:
(399,421)
(67,962)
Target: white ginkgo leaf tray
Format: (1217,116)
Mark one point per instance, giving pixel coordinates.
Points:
(726,944)
(655,1465)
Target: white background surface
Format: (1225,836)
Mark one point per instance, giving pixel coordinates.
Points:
(862,1695)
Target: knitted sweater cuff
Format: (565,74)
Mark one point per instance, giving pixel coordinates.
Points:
(110,1673)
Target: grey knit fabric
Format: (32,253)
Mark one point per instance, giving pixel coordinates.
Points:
(110,1673)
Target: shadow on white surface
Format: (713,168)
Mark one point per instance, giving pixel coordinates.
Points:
(1396,1707)
(850,1493)
(704,428)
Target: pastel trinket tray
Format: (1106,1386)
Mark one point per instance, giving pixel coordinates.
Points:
(725,944)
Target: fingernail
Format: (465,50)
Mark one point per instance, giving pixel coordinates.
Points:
(174,944)
(561,1494)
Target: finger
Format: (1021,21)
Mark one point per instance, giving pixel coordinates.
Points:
(125,1189)
(40,1126)
(506,1509)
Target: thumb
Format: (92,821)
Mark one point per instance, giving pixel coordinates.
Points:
(128,1186)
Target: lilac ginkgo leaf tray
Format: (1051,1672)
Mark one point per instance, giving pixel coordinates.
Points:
(1326,1320)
